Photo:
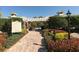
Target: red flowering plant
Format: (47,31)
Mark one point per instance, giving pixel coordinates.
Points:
(64,45)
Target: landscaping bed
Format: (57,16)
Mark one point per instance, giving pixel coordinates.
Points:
(13,39)
(71,45)
(61,43)
(59,34)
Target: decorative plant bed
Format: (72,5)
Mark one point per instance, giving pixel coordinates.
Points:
(61,43)
(71,45)
(2,38)
(2,41)
(11,40)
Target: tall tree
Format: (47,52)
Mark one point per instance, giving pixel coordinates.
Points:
(56,22)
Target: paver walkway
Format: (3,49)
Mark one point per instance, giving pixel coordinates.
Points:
(31,42)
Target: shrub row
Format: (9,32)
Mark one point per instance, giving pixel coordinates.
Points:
(60,35)
(64,45)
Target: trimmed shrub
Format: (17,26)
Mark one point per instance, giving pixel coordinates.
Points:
(2,38)
(64,45)
(61,36)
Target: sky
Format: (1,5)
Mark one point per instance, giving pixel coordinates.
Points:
(31,11)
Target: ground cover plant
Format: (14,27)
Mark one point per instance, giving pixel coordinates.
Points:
(13,39)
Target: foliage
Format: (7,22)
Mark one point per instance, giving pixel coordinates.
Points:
(13,39)
(5,24)
(7,27)
(16,19)
(61,45)
(24,30)
(2,41)
(57,22)
(35,24)
(61,36)
(75,23)
(64,45)
(2,22)
(2,48)
(45,32)
(74,20)
(2,38)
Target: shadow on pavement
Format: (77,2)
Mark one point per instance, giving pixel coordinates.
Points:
(42,50)
(43,46)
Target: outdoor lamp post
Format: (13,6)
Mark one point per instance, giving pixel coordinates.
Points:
(68,19)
